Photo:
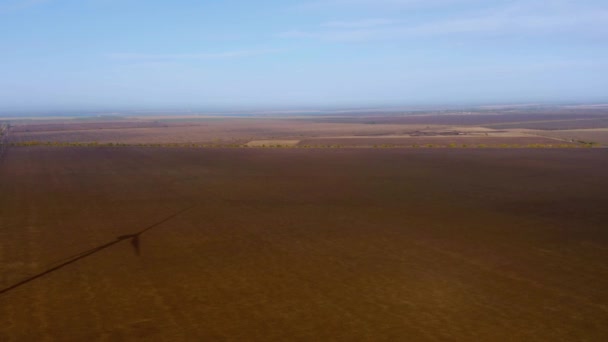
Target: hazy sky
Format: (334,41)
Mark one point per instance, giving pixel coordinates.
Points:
(180,54)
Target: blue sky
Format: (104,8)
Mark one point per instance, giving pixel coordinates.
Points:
(186,54)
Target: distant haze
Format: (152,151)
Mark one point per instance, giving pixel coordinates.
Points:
(62,55)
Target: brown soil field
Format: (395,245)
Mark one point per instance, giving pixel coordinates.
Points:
(232,130)
(498,119)
(80,126)
(298,244)
(556,124)
(596,135)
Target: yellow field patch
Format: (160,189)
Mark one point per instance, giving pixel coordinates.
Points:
(267,143)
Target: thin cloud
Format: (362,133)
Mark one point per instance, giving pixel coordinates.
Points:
(364,23)
(128,56)
(499,22)
(322,4)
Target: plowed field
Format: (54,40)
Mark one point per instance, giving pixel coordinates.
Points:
(298,244)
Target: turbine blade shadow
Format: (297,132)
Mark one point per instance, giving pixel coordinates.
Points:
(135,242)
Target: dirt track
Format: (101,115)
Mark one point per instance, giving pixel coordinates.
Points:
(306,244)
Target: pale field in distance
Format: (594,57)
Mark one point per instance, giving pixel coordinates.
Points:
(489,129)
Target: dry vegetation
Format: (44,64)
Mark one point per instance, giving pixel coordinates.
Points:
(271,143)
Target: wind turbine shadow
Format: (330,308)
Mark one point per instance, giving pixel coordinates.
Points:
(134,239)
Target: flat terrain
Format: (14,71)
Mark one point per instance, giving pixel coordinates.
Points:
(435,141)
(490,128)
(305,244)
(597,135)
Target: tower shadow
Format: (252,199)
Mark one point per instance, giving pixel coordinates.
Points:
(133,238)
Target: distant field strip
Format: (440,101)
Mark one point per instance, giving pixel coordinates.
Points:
(262,143)
(353,143)
(439,141)
(4,131)
(582,123)
(592,135)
